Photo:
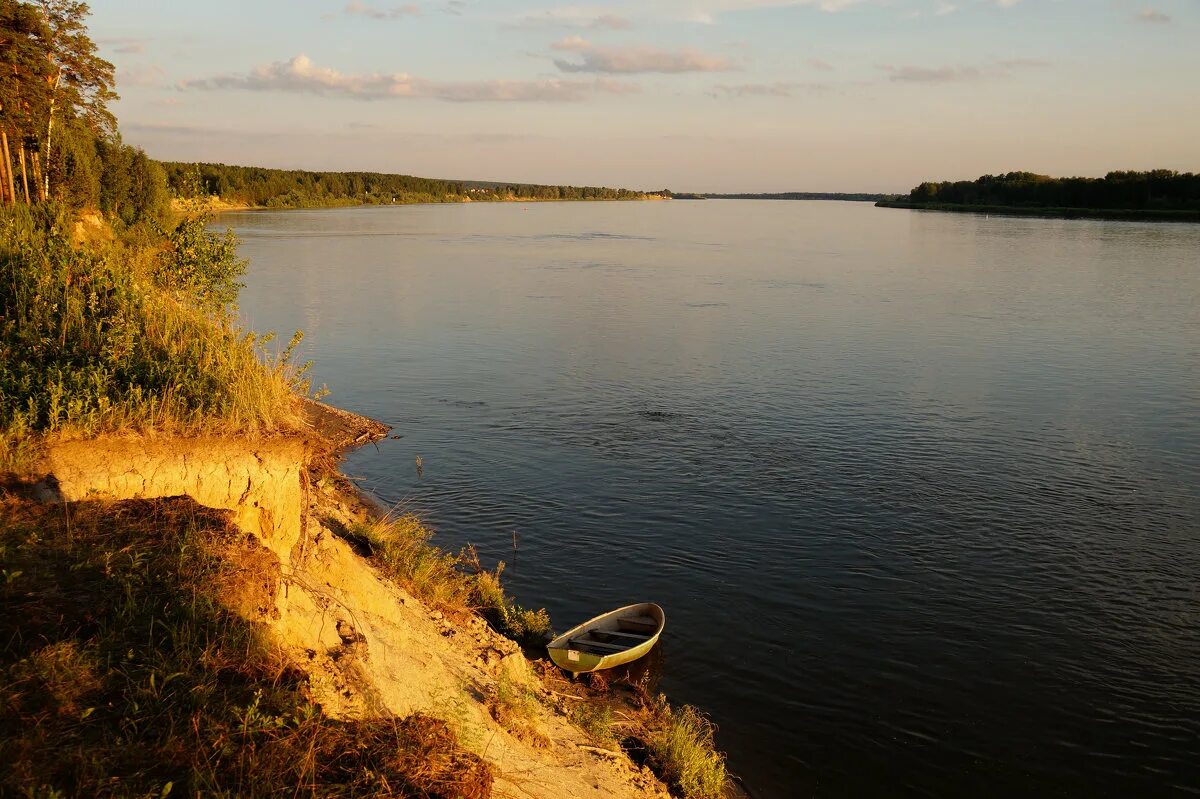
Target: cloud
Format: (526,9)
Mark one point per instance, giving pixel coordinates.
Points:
(1150,15)
(819,65)
(908,73)
(575,18)
(152,75)
(629,60)
(612,22)
(301,76)
(124,45)
(779,89)
(361,9)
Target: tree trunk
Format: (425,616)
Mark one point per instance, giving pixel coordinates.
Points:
(24,175)
(8,169)
(46,171)
(37,176)
(49,134)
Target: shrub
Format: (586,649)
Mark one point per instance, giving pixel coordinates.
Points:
(88,345)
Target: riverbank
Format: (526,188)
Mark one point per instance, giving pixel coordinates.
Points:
(1132,215)
(320,619)
(195,599)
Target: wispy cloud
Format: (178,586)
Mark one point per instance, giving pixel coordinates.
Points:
(123,44)
(576,18)
(908,73)
(301,76)
(151,75)
(1151,15)
(634,59)
(778,89)
(361,9)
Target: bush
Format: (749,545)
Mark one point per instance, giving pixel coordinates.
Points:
(200,264)
(89,345)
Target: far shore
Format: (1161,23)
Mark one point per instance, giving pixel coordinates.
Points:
(218,205)
(1131,214)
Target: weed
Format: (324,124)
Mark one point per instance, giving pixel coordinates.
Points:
(516,707)
(680,749)
(595,717)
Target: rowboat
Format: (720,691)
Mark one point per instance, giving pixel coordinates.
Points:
(611,639)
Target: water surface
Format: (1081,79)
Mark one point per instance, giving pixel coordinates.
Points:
(919,492)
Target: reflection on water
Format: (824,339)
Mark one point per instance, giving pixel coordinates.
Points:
(917,491)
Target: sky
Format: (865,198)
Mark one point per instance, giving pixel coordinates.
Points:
(691,95)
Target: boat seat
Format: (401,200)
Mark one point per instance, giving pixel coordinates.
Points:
(614,634)
(638,624)
(581,643)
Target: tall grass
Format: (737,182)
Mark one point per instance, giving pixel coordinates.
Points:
(122,673)
(681,750)
(96,338)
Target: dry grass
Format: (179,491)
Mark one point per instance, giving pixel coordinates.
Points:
(121,674)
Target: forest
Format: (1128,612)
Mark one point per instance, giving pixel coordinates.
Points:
(801,195)
(1156,190)
(58,140)
(279,188)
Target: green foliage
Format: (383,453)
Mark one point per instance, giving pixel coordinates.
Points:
(132,188)
(595,717)
(681,750)
(516,707)
(278,188)
(88,344)
(124,673)
(201,264)
(1160,189)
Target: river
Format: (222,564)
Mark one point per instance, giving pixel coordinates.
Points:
(919,493)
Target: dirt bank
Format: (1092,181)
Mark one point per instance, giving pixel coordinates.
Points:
(366,647)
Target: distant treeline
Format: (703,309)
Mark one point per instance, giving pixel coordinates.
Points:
(294,188)
(802,195)
(1158,190)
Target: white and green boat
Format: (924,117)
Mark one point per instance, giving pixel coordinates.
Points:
(612,639)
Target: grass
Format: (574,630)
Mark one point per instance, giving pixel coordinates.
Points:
(122,675)
(110,337)
(595,717)
(517,708)
(680,749)
(457,584)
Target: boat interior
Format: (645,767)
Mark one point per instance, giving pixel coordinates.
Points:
(615,635)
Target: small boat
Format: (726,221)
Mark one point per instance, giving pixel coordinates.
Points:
(612,639)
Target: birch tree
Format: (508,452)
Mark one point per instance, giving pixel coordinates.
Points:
(79,81)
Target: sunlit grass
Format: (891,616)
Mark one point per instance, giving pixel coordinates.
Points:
(92,340)
(681,750)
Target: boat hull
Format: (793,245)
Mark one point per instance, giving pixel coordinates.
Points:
(578,661)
